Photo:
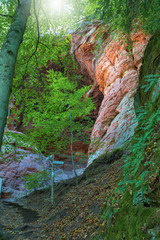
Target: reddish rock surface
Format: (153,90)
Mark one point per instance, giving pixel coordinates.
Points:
(115,72)
(21,159)
(83,47)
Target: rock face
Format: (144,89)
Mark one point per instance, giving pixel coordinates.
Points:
(115,71)
(19,159)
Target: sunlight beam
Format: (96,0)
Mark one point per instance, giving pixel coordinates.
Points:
(56,5)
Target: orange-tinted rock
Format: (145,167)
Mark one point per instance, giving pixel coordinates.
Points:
(116,73)
(83,48)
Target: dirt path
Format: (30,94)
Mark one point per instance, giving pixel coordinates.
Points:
(76,214)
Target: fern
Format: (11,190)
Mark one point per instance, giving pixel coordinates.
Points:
(126,15)
(138,168)
(151,80)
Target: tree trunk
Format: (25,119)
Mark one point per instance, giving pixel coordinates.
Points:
(70,116)
(8,57)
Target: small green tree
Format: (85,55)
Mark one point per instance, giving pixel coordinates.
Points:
(59,112)
(35,181)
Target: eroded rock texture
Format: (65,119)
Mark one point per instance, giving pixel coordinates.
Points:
(19,159)
(113,67)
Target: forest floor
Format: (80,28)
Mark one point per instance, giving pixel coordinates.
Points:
(76,213)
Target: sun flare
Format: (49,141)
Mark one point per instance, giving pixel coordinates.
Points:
(56,5)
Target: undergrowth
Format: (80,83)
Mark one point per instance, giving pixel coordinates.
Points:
(137,184)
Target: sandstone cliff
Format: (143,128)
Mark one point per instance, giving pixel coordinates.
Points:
(112,65)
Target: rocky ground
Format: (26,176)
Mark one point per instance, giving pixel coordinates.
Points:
(76,213)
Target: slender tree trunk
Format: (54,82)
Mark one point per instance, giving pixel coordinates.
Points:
(70,116)
(8,57)
(52,181)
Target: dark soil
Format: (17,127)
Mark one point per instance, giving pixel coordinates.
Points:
(76,213)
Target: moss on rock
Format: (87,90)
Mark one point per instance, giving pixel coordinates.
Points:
(150,66)
(133,222)
(102,162)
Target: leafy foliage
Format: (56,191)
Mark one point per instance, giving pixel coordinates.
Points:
(36,181)
(13,140)
(44,96)
(51,116)
(128,14)
(141,167)
(151,80)
(7,9)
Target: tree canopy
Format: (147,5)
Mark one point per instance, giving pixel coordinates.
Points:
(126,15)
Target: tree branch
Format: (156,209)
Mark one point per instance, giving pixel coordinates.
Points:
(4,15)
(44,45)
(37,21)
